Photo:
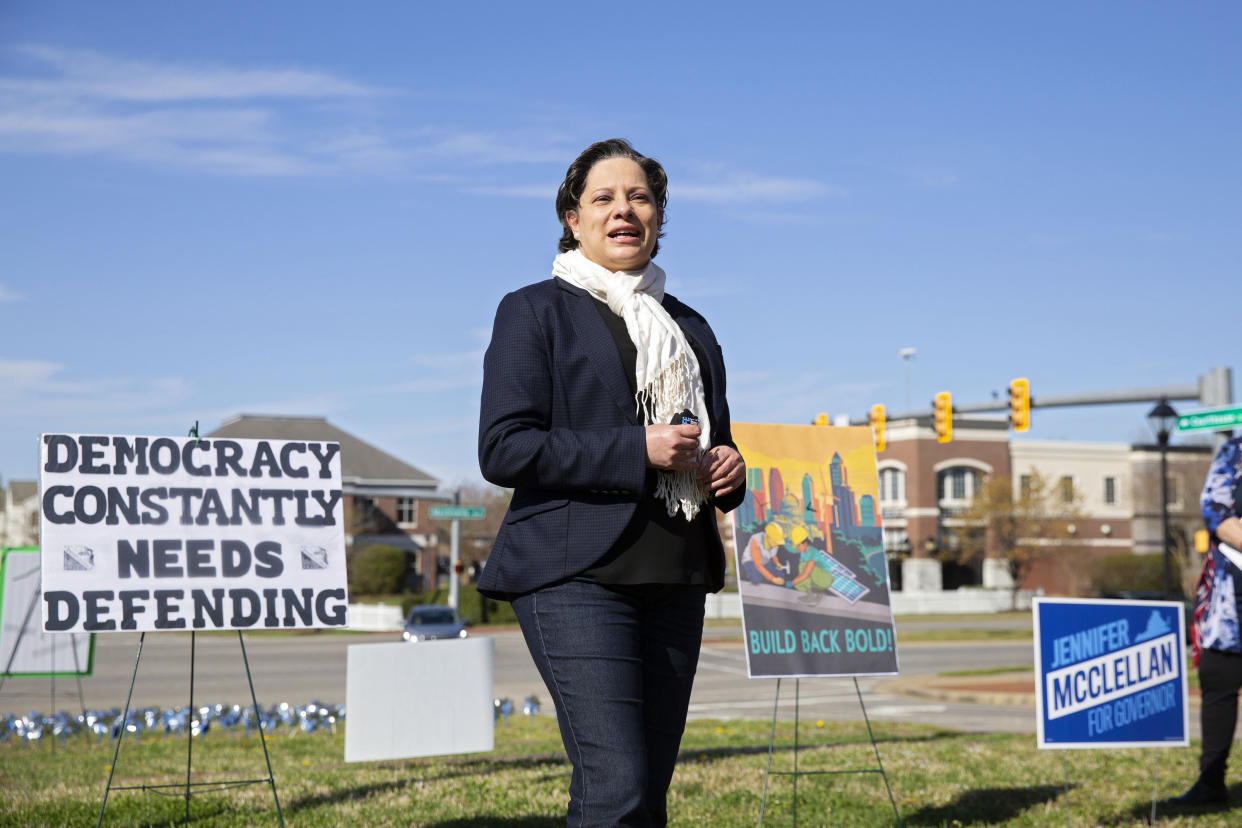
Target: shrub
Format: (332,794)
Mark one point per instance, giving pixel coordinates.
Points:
(376,570)
(1125,572)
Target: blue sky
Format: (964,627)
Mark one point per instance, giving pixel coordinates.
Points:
(314,208)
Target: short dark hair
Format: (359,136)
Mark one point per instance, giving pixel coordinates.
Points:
(569,194)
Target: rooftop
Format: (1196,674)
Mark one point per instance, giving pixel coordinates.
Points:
(361,462)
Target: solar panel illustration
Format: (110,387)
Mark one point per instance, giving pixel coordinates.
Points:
(844,583)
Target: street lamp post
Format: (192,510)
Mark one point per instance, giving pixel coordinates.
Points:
(1162,419)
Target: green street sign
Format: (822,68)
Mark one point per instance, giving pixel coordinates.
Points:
(456,512)
(1215,419)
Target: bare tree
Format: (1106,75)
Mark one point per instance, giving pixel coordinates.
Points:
(1033,524)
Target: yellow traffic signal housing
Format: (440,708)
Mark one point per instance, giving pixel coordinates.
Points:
(1020,404)
(877,425)
(820,419)
(942,416)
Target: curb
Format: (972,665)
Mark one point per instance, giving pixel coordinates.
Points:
(967,690)
(958,691)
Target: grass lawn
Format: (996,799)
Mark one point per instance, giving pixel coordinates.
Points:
(984,617)
(939,778)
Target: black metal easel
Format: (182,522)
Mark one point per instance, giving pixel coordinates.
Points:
(189,785)
(795,773)
(270,779)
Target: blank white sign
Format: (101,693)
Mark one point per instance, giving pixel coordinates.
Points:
(25,649)
(426,698)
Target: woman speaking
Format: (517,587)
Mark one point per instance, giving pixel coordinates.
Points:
(604,410)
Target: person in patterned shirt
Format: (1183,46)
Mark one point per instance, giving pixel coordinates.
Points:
(1218,650)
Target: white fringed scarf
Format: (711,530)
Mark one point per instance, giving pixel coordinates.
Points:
(666,370)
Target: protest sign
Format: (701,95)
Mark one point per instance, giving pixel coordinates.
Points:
(811,568)
(25,650)
(165,533)
(1110,673)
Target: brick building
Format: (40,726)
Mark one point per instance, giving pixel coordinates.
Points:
(926,486)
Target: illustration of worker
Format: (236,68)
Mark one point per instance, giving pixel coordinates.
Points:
(812,579)
(760,563)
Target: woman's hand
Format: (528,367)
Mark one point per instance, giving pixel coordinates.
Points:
(721,470)
(1230,531)
(673,446)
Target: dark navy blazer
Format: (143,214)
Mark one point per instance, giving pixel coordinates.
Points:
(559,426)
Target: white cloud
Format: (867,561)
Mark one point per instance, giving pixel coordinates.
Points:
(734,187)
(24,373)
(91,75)
(240,121)
(38,389)
(7,295)
(523,147)
(210,118)
(539,191)
(253,122)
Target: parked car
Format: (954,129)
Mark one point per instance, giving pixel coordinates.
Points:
(432,621)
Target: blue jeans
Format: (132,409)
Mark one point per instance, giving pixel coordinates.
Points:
(619,663)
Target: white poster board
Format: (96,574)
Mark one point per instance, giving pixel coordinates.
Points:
(25,650)
(430,698)
(183,533)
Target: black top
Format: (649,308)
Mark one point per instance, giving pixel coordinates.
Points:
(654,548)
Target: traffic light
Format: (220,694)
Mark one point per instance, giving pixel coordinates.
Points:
(820,419)
(1020,404)
(877,425)
(942,416)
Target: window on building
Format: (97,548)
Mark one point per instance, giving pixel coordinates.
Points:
(1110,491)
(362,507)
(896,542)
(1065,489)
(407,510)
(1174,492)
(892,486)
(1024,486)
(958,483)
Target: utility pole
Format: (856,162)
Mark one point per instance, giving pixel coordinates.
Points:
(454,553)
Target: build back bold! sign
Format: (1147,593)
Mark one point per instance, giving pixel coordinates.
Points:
(811,568)
(1110,673)
(165,533)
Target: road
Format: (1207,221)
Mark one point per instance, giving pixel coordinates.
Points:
(311,667)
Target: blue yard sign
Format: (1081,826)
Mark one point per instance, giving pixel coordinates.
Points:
(1110,673)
